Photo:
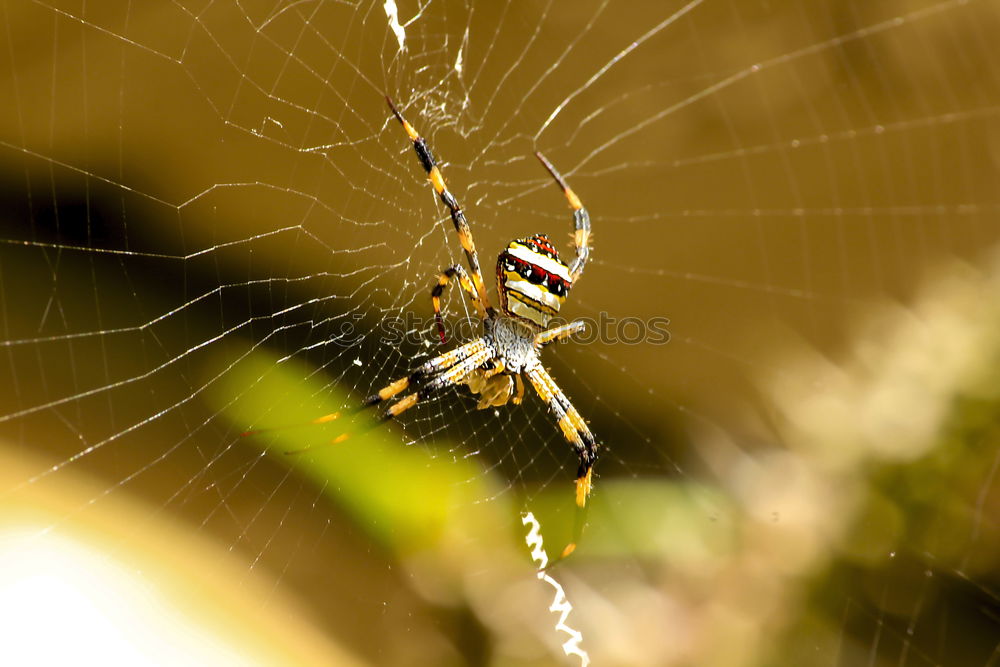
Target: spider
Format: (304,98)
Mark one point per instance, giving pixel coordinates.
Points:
(532,282)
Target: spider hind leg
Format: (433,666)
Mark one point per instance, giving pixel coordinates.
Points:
(466,283)
(436,178)
(581,220)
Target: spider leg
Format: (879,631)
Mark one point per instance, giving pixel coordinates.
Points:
(577,433)
(444,369)
(430,368)
(442,283)
(581,221)
(558,333)
(457,216)
(453,375)
(572,425)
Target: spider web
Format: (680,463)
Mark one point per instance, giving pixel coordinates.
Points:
(211,224)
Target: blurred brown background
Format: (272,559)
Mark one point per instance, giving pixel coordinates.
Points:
(198,200)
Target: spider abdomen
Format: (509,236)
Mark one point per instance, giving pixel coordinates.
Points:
(532,280)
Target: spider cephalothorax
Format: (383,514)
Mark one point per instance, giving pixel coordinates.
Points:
(533,283)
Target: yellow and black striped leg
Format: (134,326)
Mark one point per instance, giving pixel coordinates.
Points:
(453,375)
(558,333)
(426,370)
(463,280)
(572,425)
(446,369)
(577,433)
(581,221)
(457,216)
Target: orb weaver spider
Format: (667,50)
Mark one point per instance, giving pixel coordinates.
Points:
(532,282)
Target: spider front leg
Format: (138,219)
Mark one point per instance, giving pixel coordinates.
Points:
(446,369)
(573,428)
(576,432)
(466,284)
(435,366)
(452,376)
